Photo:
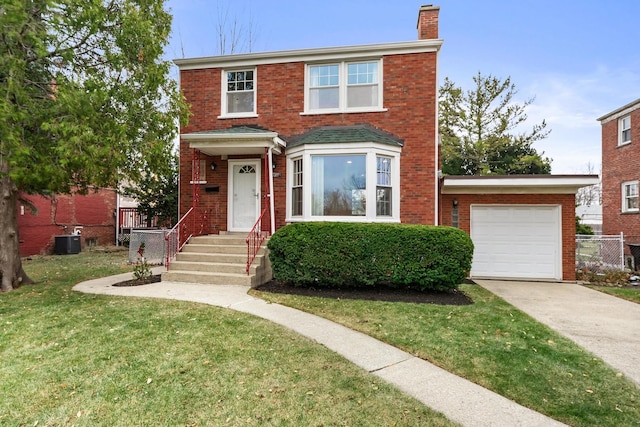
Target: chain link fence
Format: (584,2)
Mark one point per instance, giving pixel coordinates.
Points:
(599,254)
(155,245)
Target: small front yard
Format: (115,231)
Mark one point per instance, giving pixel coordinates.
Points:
(88,360)
(495,345)
(630,293)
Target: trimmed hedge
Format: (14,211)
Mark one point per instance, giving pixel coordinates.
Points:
(332,254)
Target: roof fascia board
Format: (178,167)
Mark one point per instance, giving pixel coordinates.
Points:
(546,185)
(310,55)
(622,111)
(344,147)
(266,136)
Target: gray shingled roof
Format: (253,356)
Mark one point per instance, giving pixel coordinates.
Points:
(344,134)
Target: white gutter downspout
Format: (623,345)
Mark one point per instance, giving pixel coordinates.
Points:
(271,203)
(117,215)
(437,141)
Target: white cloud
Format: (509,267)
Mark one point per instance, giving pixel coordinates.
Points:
(571,105)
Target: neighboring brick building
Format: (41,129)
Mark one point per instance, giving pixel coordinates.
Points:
(620,171)
(348,133)
(92,214)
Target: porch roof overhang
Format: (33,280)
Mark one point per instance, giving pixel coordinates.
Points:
(237,140)
(517,184)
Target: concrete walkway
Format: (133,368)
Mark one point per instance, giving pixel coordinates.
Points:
(607,326)
(458,399)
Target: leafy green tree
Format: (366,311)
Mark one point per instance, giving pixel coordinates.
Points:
(85,101)
(157,194)
(583,228)
(481,130)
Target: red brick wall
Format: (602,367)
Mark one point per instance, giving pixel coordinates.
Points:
(428,22)
(95,212)
(566,201)
(409,95)
(620,164)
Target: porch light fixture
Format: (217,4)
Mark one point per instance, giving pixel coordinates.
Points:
(455,203)
(213,166)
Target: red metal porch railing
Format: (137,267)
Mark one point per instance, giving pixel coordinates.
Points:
(194,223)
(255,238)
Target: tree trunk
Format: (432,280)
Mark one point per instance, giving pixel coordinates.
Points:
(11,273)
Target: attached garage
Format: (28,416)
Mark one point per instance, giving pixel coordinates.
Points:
(522,226)
(516,241)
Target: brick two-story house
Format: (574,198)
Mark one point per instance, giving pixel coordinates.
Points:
(346,134)
(620,173)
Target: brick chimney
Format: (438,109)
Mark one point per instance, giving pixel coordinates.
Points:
(428,22)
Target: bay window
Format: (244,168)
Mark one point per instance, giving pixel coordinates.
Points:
(326,183)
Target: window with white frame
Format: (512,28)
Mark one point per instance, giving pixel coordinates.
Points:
(343,87)
(337,183)
(384,189)
(624,130)
(198,171)
(239,93)
(296,187)
(630,196)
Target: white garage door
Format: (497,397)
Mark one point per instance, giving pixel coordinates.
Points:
(516,241)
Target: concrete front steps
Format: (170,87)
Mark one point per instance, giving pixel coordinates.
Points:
(218,260)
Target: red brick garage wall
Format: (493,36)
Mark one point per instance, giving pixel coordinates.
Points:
(94,212)
(566,201)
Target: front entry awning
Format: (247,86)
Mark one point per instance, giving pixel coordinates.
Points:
(239,140)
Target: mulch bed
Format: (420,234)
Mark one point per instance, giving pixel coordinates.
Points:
(135,282)
(376,293)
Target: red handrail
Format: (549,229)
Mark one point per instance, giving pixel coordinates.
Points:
(193,223)
(255,238)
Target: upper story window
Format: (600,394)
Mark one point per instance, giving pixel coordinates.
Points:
(344,87)
(239,93)
(630,196)
(624,130)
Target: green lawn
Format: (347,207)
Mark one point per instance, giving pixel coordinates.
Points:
(631,294)
(90,360)
(495,345)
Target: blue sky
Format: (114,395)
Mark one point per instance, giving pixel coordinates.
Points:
(579,59)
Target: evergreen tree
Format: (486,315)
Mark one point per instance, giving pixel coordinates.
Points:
(86,101)
(481,130)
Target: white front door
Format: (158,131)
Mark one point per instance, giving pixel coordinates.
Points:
(244,194)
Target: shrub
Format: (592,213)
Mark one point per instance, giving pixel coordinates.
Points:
(334,254)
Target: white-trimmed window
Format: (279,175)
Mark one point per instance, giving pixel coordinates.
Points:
(384,188)
(198,174)
(630,196)
(343,87)
(624,130)
(239,93)
(354,184)
(296,187)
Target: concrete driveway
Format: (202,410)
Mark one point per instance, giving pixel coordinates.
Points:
(607,326)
